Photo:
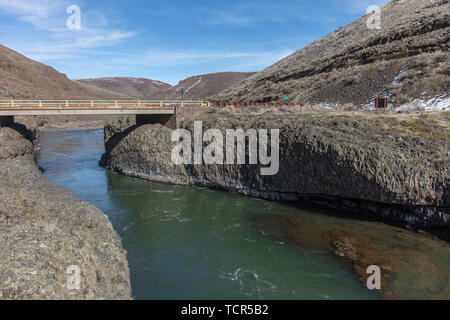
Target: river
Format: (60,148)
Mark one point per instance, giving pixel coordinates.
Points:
(195,243)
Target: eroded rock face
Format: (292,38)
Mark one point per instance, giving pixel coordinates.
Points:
(45,229)
(335,160)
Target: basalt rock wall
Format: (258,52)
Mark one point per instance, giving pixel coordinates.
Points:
(337,161)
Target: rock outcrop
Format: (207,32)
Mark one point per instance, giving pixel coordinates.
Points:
(337,160)
(44,230)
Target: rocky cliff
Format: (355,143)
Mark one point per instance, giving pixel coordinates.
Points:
(406,59)
(45,229)
(360,163)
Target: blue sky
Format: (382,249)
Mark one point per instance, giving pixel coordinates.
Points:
(169,40)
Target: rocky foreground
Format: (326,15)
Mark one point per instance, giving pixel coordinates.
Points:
(389,167)
(45,229)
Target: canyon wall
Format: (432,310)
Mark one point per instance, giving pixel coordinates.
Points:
(339,161)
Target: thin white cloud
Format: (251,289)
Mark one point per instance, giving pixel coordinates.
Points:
(50,16)
(42,14)
(254,13)
(64,49)
(216,17)
(180,57)
(246,13)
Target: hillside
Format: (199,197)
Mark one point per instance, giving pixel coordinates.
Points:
(202,86)
(23,78)
(140,88)
(407,60)
(195,88)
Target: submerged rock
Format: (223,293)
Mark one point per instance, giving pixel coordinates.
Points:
(411,267)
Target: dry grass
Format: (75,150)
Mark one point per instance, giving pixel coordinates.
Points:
(424,125)
(420,124)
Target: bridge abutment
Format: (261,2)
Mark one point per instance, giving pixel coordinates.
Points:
(168,120)
(6,121)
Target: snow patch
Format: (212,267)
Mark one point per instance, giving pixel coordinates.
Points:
(194,85)
(439,103)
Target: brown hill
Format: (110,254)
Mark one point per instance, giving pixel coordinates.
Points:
(407,59)
(140,88)
(194,88)
(202,86)
(23,78)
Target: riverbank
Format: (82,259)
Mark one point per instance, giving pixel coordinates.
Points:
(45,229)
(392,168)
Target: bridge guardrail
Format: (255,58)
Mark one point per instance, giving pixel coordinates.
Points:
(97,103)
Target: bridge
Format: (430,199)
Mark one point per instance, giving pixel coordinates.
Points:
(146,111)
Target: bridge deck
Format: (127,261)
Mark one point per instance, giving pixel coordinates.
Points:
(89,107)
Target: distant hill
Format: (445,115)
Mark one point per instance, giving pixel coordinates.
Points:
(139,88)
(195,88)
(202,86)
(407,59)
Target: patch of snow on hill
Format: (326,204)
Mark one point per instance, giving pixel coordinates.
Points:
(440,103)
(159,83)
(194,85)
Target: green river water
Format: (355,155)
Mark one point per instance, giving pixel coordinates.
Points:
(195,243)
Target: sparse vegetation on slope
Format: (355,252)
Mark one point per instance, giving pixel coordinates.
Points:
(407,59)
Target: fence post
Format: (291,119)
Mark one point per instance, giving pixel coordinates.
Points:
(12,103)
(92,103)
(40,103)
